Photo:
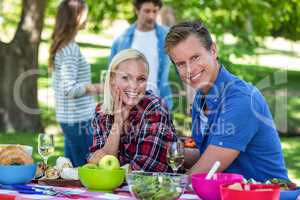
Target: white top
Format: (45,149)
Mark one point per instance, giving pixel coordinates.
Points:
(71,74)
(204,122)
(146,42)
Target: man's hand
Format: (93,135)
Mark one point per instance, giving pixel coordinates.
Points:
(212,154)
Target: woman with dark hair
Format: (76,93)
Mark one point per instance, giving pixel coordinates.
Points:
(72,80)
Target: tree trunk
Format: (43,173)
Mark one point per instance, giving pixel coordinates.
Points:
(18,82)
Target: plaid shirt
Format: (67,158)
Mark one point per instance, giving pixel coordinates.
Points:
(144,142)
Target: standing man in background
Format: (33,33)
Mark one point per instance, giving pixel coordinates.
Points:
(148,37)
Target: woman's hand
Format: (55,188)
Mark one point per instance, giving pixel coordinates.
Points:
(120,112)
(96,156)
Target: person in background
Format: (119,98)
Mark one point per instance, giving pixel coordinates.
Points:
(148,37)
(231,121)
(74,104)
(132,123)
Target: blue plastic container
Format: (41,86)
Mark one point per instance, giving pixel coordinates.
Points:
(17,174)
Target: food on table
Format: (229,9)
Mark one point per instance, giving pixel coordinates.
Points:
(69,174)
(236,186)
(109,162)
(284,184)
(90,166)
(189,143)
(14,155)
(63,169)
(41,167)
(155,187)
(51,173)
(63,162)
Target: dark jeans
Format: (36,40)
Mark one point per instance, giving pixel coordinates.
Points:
(78,139)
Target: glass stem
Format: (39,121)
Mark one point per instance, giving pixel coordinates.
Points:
(46,161)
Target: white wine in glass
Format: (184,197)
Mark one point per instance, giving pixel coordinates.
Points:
(45,146)
(175,155)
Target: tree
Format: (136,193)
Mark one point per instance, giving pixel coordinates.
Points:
(17,58)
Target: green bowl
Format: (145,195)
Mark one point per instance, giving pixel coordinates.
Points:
(101,180)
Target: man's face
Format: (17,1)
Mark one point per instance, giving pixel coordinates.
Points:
(197,66)
(146,16)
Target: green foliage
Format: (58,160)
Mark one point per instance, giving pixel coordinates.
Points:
(9,10)
(108,10)
(286,19)
(245,19)
(248,20)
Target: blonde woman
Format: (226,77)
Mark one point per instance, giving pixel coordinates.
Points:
(132,123)
(72,80)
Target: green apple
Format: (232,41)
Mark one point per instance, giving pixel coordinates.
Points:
(90,166)
(109,162)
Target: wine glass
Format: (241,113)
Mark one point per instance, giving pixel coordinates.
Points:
(45,146)
(175,155)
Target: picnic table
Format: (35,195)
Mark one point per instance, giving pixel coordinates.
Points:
(80,193)
(119,194)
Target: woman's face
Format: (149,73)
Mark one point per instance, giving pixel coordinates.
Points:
(130,78)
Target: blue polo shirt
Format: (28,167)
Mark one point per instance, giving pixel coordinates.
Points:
(239,119)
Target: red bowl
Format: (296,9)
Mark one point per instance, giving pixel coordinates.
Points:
(272,194)
(210,189)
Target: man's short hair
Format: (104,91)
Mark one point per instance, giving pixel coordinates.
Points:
(182,31)
(138,3)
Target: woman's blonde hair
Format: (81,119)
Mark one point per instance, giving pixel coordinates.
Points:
(124,55)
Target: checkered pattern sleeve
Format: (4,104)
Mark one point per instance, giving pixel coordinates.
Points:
(101,125)
(155,132)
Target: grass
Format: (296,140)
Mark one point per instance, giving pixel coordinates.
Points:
(290,145)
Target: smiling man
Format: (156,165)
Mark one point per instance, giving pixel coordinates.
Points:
(148,37)
(231,121)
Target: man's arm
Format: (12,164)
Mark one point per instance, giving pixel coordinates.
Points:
(212,154)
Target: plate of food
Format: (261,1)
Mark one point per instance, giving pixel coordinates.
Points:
(62,174)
